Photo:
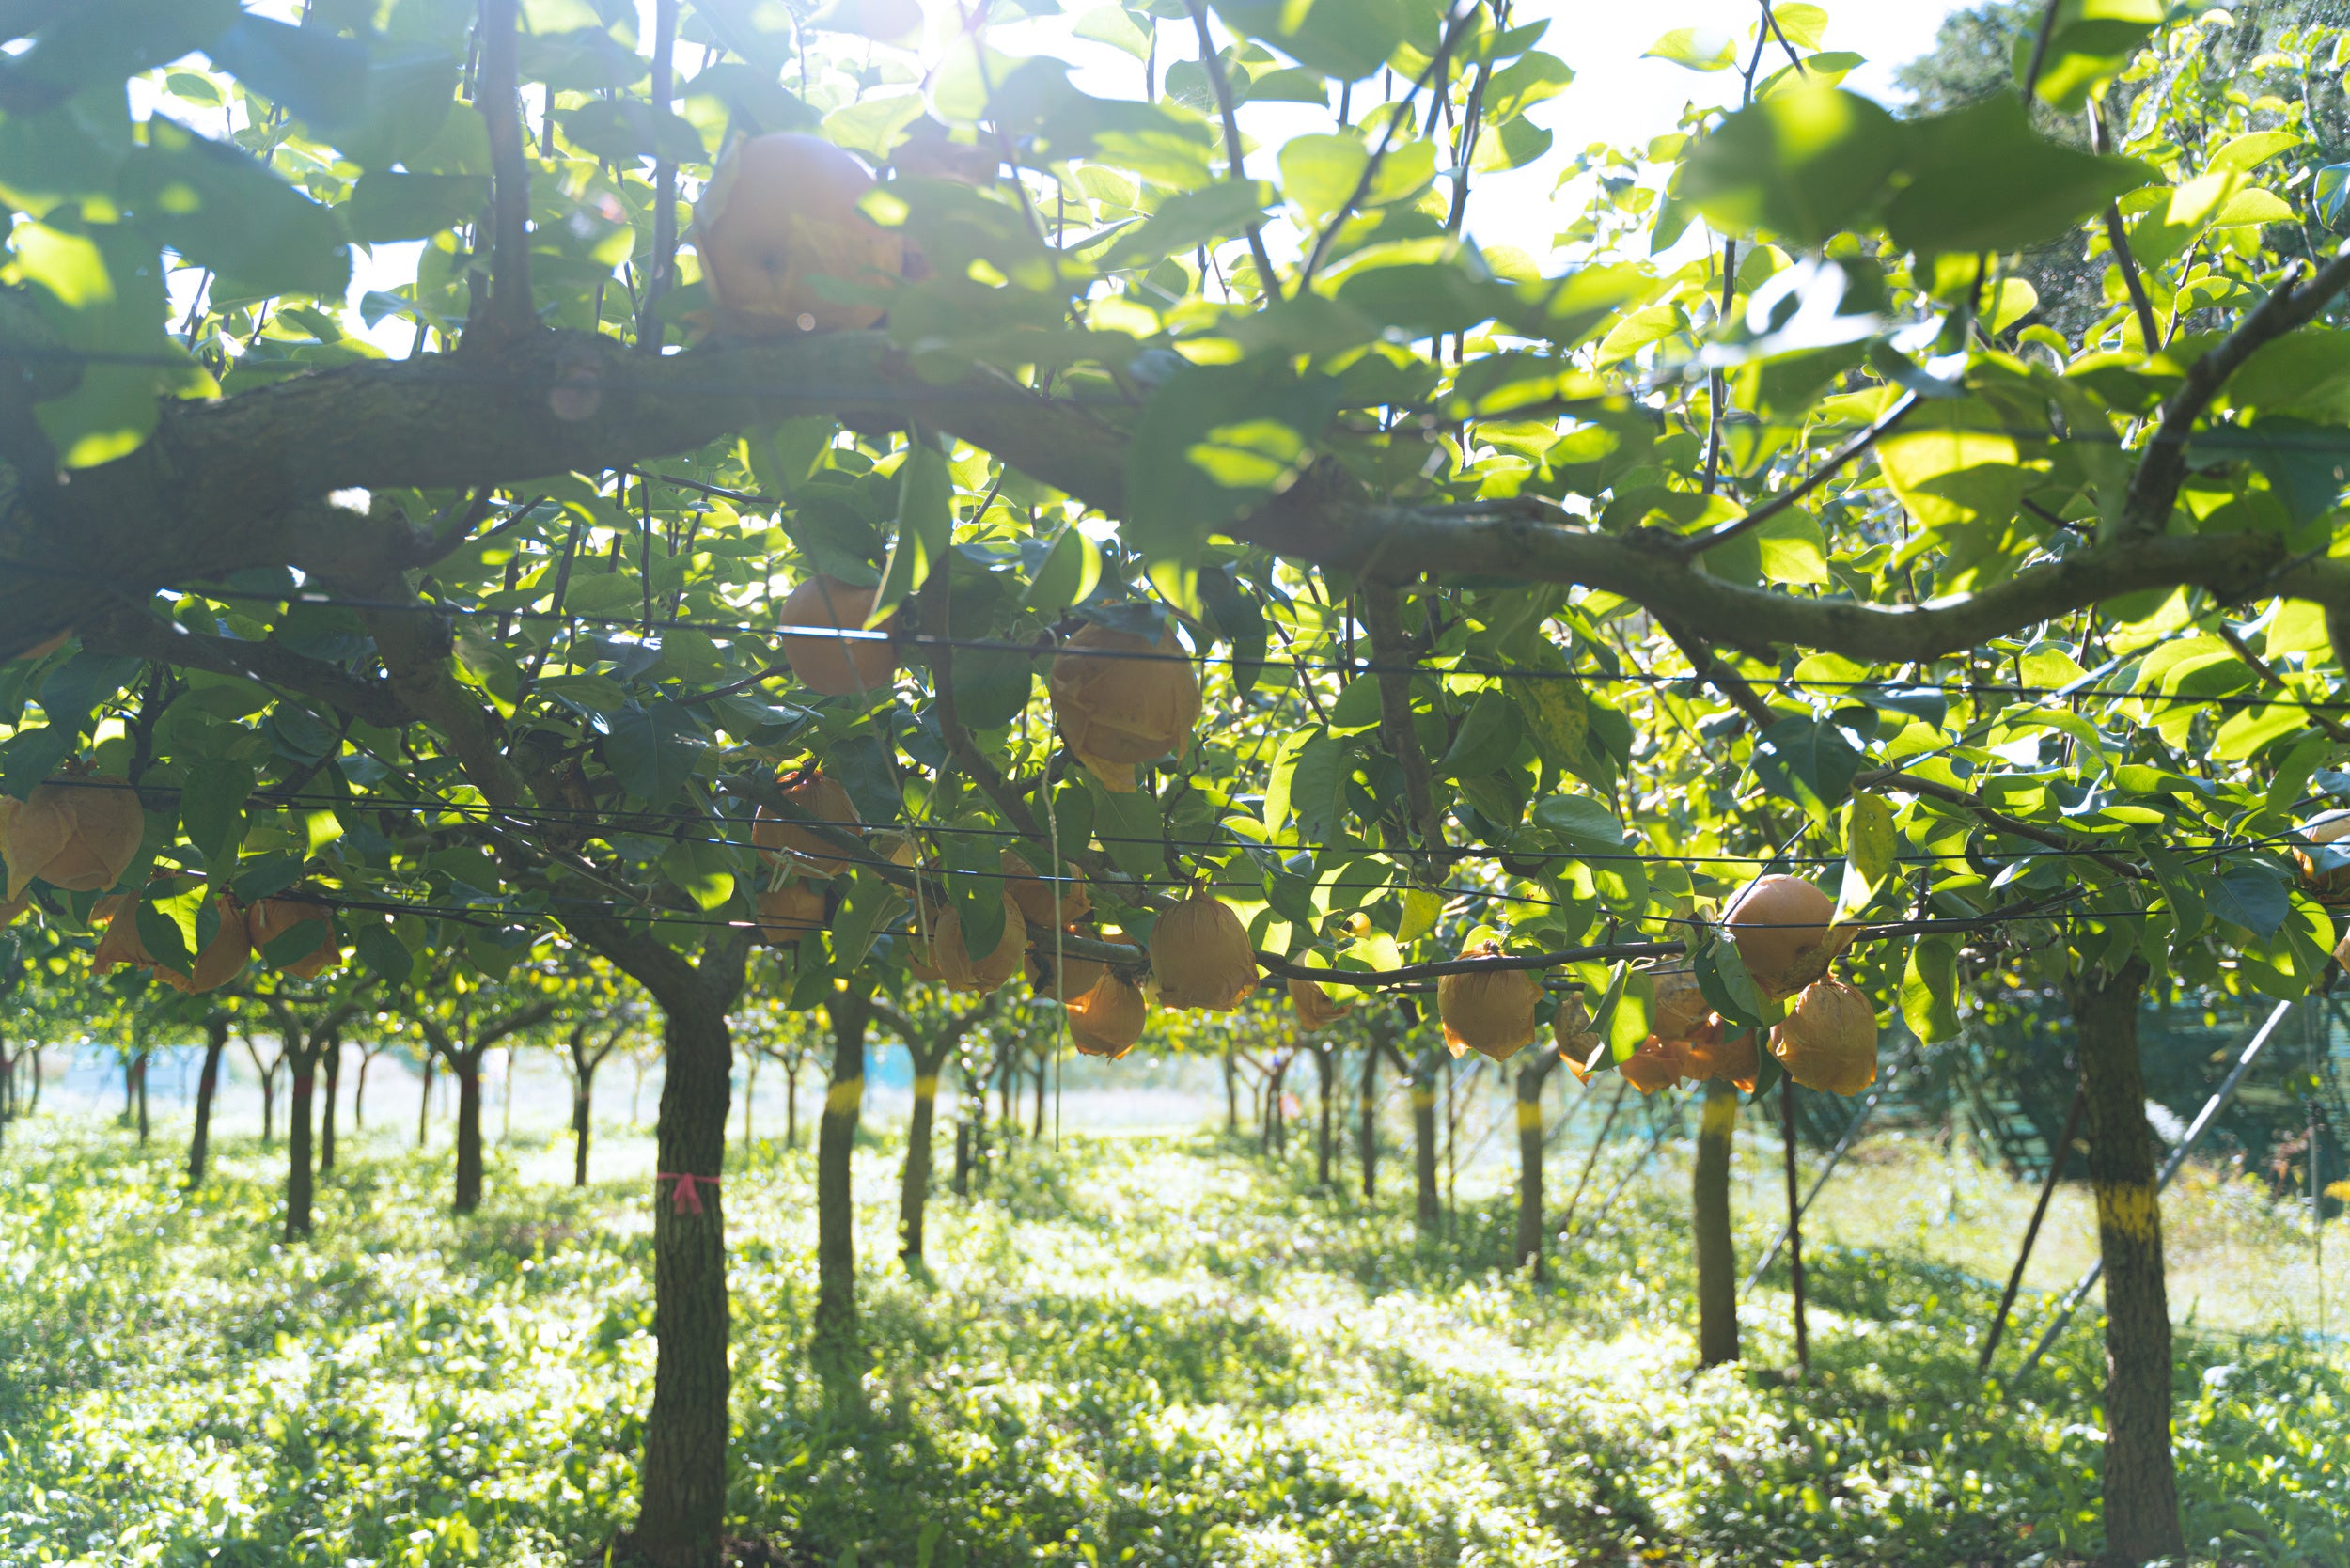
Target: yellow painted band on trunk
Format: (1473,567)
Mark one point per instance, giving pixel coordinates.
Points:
(926,1086)
(1530,1115)
(1423,1099)
(1721,1118)
(2130,1210)
(843,1098)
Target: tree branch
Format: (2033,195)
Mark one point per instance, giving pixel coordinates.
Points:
(1268,284)
(499,97)
(1887,423)
(2012,827)
(233,484)
(2155,488)
(1383,617)
(143,636)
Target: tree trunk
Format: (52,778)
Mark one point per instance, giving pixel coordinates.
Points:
(963,1156)
(1040,1094)
(914,1190)
(750,1092)
(1007,1074)
(269,1106)
(1232,1094)
(1529,1241)
(583,1120)
(145,1057)
(683,1509)
(1325,1125)
(333,1061)
(835,1351)
(1430,1212)
(298,1155)
(791,1105)
(34,1108)
(207,1085)
(359,1093)
(424,1098)
(1709,1208)
(1366,1128)
(2141,1493)
(469,1069)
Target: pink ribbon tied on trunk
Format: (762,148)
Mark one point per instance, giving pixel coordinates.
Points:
(683,1199)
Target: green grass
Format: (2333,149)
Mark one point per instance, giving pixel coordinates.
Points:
(1141,1350)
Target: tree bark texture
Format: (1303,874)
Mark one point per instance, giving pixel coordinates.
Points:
(1326,1131)
(332,1059)
(1709,1209)
(467,1066)
(1429,1211)
(207,1086)
(583,1116)
(1529,1113)
(2142,1494)
(683,1509)
(240,481)
(836,1352)
(914,1190)
(424,1098)
(298,1181)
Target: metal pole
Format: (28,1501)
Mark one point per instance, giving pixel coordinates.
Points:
(2195,1131)
(2031,1232)
(1834,1157)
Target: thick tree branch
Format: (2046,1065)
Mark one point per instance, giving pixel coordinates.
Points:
(499,97)
(237,483)
(160,642)
(2155,488)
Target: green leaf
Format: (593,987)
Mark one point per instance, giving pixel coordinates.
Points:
(644,751)
(2090,41)
(1982,178)
(1071,566)
(702,871)
(1804,165)
(1603,1019)
(1697,48)
(220,209)
(1531,79)
(101,41)
(1348,39)
(1868,844)
(2249,897)
(1115,27)
(1930,989)
(867,907)
(977,890)
(1809,762)
(1319,172)
(212,807)
(170,922)
(315,75)
(1583,822)
(926,522)
(1632,1020)
(873,126)
(383,952)
(108,280)
(386,205)
(1487,738)
(1132,833)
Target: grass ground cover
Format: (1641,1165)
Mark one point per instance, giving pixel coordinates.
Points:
(1148,1350)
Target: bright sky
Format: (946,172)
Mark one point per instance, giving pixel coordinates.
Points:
(1616,97)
